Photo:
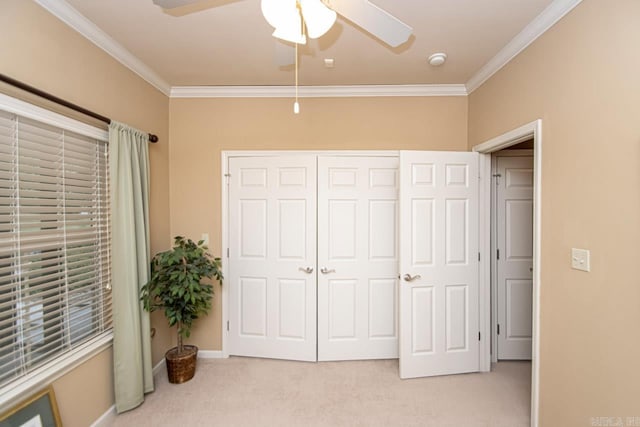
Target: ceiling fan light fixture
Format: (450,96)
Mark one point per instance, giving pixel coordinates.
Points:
(284,16)
(289,34)
(274,11)
(318,18)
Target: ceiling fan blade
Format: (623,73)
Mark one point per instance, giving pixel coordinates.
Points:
(172,4)
(374,20)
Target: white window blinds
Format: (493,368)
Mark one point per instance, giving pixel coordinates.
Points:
(54,243)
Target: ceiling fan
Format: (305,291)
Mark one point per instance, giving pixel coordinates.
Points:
(318,16)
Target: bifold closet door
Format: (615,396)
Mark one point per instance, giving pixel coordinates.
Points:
(439,331)
(357,257)
(272,257)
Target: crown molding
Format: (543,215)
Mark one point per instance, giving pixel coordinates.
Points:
(74,19)
(547,18)
(355,91)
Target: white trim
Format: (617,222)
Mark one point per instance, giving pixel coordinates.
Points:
(332,153)
(74,19)
(224,218)
(494,264)
(549,16)
(316,91)
(211,354)
(533,129)
(156,369)
(513,137)
(43,115)
(52,370)
(107,419)
(484,272)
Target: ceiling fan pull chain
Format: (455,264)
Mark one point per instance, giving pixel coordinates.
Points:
(296,106)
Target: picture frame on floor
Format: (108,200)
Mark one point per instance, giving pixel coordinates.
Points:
(40,410)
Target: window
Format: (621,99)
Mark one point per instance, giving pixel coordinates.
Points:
(54,242)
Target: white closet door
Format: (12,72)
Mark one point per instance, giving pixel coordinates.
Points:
(439,263)
(515,242)
(357,258)
(272,245)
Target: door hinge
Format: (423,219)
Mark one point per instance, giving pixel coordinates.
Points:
(498,253)
(478,256)
(498,328)
(227,176)
(227,252)
(479,336)
(227,326)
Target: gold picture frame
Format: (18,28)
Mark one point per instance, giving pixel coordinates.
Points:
(40,410)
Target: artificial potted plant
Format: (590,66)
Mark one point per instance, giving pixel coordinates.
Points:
(177,285)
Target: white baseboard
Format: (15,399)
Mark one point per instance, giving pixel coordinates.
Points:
(211,354)
(158,367)
(107,419)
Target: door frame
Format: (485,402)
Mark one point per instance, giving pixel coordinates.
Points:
(224,203)
(532,130)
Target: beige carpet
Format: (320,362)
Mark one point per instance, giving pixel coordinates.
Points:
(261,392)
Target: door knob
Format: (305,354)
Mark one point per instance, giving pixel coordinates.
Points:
(325,270)
(530,269)
(307,270)
(409,278)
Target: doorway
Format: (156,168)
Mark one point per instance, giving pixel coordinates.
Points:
(530,131)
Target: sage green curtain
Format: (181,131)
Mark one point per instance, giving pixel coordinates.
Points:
(129,182)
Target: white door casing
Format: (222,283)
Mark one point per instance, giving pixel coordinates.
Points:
(438,298)
(514,227)
(357,257)
(272,257)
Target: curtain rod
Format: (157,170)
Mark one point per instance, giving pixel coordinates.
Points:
(13,82)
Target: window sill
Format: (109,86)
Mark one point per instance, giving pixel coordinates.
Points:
(23,387)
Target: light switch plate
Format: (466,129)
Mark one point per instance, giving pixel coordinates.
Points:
(580,259)
(205,237)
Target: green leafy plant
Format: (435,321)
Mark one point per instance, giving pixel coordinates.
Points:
(176,284)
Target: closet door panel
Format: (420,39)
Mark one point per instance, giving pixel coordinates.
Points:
(357,257)
(438,302)
(272,257)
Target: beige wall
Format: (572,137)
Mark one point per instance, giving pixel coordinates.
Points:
(202,128)
(591,158)
(40,50)
(582,78)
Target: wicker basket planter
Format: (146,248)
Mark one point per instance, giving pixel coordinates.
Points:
(181,368)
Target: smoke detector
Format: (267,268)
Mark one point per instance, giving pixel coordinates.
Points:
(437,59)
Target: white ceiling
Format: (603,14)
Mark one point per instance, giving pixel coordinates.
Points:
(228,42)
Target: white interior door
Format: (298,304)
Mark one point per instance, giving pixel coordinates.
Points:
(439,331)
(272,257)
(514,219)
(357,258)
